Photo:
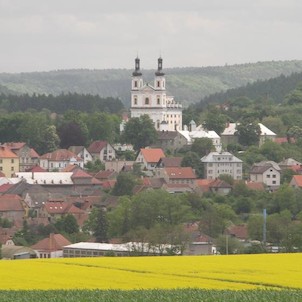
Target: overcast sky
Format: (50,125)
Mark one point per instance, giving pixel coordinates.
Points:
(43,35)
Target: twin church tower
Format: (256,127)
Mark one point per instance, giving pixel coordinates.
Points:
(153,101)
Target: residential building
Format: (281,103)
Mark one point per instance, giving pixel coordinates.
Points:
(81,152)
(296,181)
(149,158)
(177,175)
(290,163)
(152,100)
(102,150)
(13,208)
(228,136)
(221,163)
(51,247)
(28,157)
(59,160)
(170,141)
(9,161)
(168,162)
(194,132)
(267,172)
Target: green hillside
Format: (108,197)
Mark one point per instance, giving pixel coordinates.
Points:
(188,85)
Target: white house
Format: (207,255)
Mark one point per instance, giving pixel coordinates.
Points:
(81,152)
(192,132)
(102,150)
(220,163)
(60,159)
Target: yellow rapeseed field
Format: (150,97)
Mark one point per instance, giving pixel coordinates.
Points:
(236,272)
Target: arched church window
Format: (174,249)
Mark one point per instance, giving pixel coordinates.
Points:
(146,101)
(135,84)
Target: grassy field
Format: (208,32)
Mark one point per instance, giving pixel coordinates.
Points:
(267,277)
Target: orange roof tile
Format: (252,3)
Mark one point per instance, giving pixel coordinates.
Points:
(298,180)
(54,242)
(60,155)
(6,152)
(180,173)
(152,155)
(97,146)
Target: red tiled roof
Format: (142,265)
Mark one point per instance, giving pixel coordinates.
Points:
(180,173)
(2,174)
(97,146)
(6,152)
(255,185)
(282,140)
(219,183)
(238,231)
(171,161)
(54,242)
(204,184)
(75,210)
(152,155)
(108,184)
(36,169)
(33,153)
(15,145)
(60,155)
(5,187)
(298,180)
(79,173)
(105,174)
(57,207)
(10,202)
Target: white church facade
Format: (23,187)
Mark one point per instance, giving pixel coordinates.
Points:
(153,101)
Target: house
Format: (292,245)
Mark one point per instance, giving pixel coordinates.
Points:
(59,159)
(267,172)
(9,161)
(170,141)
(149,158)
(105,175)
(220,163)
(13,252)
(194,132)
(174,188)
(296,181)
(12,208)
(51,247)
(81,152)
(82,180)
(168,162)
(290,163)
(102,150)
(118,165)
(238,231)
(216,186)
(28,157)
(177,175)
(228,136)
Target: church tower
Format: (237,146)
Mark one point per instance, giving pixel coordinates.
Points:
(165,113)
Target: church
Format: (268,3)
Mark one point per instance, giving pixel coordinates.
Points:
(153,101)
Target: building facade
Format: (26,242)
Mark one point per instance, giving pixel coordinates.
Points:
(152,100)
(220,163)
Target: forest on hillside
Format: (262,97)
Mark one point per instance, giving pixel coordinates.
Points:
(188,84)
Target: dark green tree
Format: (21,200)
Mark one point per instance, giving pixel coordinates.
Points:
(67,224)
(202,146)
(124,185)
(101,227)
(140,132)
(191,159)
(248,133)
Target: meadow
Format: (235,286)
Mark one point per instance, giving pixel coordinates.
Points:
(274,277)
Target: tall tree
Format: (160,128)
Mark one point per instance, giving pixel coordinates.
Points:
(140,132)
(248,133)
(202,146)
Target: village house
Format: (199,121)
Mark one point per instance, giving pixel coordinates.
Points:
(28,157)
(177,175)
(59,159)
(267,172)
(296,181)
(168,162)
(13,208)
(192,133)
(220,163)
(228,136)
(148,158)
(170,141)
(102,150)
(81,152)
(216,186)
(9,161)
(51,247)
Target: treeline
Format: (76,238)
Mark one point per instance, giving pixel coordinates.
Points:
(61,103)
(274,90)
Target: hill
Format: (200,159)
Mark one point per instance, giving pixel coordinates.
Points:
(188,84)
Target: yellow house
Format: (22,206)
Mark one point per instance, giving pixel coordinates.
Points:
(9,161)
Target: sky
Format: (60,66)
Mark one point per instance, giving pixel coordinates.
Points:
(44,35)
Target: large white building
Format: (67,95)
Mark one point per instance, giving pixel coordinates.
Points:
(153,101)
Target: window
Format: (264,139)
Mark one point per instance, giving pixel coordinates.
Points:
(274,175)
(12,168)
(146,101)
(1,168)
(274,182)
(158,83)
(12,161)
(158,101)
(268,176)
(0,161)
(135,83)
(135,101)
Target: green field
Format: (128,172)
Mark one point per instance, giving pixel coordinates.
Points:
(151,296)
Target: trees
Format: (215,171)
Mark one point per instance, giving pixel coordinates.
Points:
(191,159)
(67,224)
(248,133)
(124,185)
(214,120)
(202,146)
(140,132)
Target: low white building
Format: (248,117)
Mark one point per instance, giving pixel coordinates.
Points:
(192,132)
(221,163)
